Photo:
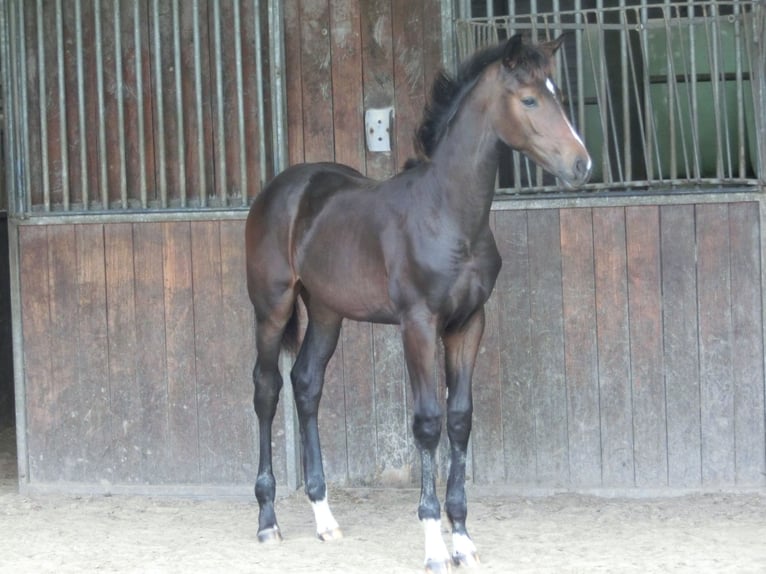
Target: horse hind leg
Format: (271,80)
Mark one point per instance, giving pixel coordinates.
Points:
(308,379)
(267,382)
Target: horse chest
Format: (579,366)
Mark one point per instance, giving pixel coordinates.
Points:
(452,278)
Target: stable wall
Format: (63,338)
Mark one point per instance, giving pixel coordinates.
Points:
(623,350)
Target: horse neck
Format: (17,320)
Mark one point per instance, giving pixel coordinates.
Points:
(465,164)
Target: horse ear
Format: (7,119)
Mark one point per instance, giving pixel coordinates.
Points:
(553,46)
(512,50)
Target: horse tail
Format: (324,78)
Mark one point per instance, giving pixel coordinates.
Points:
(291,335)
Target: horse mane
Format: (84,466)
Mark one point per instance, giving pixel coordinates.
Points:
(448,91)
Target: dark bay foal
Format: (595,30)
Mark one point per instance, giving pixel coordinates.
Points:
(416,251)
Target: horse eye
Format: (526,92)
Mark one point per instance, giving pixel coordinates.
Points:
(529,102)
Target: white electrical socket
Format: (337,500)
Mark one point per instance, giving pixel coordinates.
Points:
(377,127)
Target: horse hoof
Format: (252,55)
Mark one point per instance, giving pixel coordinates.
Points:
(270,535)
(468,560)
(330,535)
(438,567)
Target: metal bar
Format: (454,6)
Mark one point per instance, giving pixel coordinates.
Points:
(22,196)
(81,127)
(158,87)
(741,139)
(693,104)
(104,176)
(279,103)
(627,135)
(43,108)
(119,91)
(261,97)
(202,192)
(63,140)
(140,103)
(240,105)
(179,105)
(219,167)
(672,93)
(579,71)
(9,87)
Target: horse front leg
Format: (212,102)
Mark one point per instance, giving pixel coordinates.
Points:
(308,379)
(419,338)
(461,348)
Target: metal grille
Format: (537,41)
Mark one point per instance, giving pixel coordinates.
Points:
(666,95)
(119,105)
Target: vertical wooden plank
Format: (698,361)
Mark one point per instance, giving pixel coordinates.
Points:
(394,449)
(358,381)
(294,81)
(408,23)
(546,315)
(125,398)
(92,352)
(516,365)
(609,247)
(487,435)
(63,300)
(215,436)
(238,355)
(580,346)
(316,70)
(646,368)
(42,421)
(747,344)
(715,323)
(432,43)
(348,112)
(183,444)
(681,356)
(378,68)
(150,353)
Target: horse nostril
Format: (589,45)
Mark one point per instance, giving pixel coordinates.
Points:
(582,169)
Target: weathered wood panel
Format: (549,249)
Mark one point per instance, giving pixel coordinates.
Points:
(715,342)
(747,348)
(647,381)
(680,349)
(512,292)
(608,359)
(580,346)
(612,328)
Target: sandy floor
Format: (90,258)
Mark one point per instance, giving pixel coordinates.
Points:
(563,533)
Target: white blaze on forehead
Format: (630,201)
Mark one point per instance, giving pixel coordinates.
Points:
(550,85)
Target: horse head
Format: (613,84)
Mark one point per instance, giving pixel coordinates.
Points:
(527,114)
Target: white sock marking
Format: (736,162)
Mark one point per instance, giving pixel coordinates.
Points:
(436,550)
(324,518)
(464,546)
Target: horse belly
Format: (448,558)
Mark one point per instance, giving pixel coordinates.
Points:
(350,283)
